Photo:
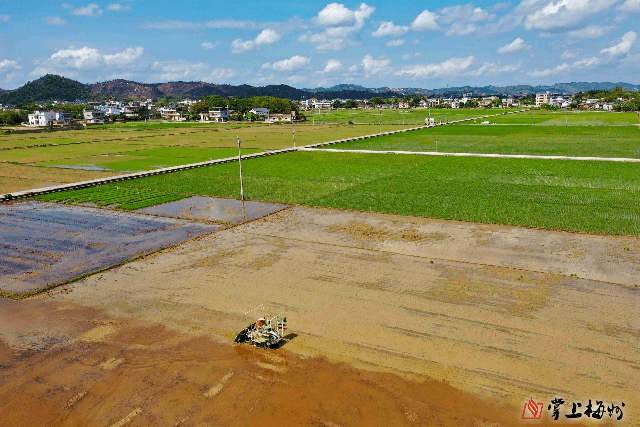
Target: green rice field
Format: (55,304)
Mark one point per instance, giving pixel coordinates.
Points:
(581,141)
(398,117)
(594,197)
(112,196)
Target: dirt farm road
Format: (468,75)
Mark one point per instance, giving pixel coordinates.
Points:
(494,315)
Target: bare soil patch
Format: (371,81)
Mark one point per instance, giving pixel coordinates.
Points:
(145,374)
(498,314)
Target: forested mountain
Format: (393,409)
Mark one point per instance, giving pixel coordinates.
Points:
(47,88)
(52,87)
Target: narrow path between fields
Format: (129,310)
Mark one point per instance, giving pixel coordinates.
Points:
(506,156)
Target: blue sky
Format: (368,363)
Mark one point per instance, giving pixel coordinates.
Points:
(308,44)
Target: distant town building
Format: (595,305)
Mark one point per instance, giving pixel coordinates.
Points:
(542,98)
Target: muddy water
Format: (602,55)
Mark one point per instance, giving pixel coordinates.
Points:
(44,243)
(108,371)
(213,209)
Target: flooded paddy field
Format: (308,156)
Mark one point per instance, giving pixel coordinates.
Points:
(214,209)
(44,243)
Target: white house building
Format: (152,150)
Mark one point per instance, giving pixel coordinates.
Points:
(216,115)
(93,117)
(262,112)
(171,113)
(47,118)
(542,98)
(277,118)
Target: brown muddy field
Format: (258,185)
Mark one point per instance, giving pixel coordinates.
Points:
(392,321)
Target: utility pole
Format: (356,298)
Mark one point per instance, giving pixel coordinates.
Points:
(240,163)
(380,120)
(294,132)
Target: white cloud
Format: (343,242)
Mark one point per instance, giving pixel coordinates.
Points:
(208,45)
(231,23)
(83,58)
(425,21)
(54,20)
(500,6)
(117,7)
(515,46)
(267,36)
(565,67)
(332,65)
(410,55)
(494,69)
(464,14)
(461,29)
(294,63)
(630,6)
(587,62)
(87,58)
(568,55)
(341,23)
(222,74)
(452,66)
(388,29)
(335,14)
(296,79)
(552,15)
(169,25)
(5,18)
(562,68)
(124,58)
(624,46)
(91,9)
(395,43)
(590,32)
(239,45)
(374,67)
(8,64)
(189,71)
(180,70)
(215,23)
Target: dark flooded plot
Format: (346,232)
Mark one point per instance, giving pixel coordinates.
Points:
(212,209)
(45,243)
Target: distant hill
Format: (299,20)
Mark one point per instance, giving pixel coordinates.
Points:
(47,88)
(125,89)
(572,87)
(52,87)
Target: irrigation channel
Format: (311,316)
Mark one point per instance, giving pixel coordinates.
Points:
(134,175)
(505,156)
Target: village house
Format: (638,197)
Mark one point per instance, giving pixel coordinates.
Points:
(262,112)
(93,116)
(172,114)
(48,118)
(215,115)
(278,118)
